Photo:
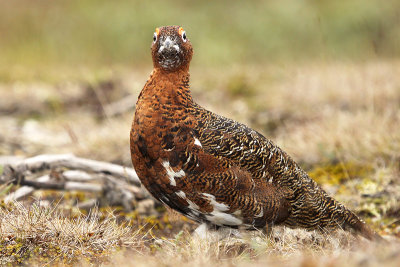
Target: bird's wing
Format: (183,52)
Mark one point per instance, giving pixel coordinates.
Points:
(226,138)
(216,189)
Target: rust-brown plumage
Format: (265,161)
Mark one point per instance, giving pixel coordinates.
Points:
(213,169)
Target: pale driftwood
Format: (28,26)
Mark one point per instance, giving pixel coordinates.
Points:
(46,162)
(116,184)
(79,176)
(24,190)
(7,160)
(44,182)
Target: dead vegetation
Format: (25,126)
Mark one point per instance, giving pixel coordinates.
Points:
(42,235)
(340,121)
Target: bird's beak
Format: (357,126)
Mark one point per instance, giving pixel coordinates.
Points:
(168,45)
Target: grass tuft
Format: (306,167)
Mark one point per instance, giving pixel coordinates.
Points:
(44,234)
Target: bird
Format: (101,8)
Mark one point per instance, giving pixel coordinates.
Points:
(214,170)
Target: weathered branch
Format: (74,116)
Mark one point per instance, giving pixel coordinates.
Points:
(80,176)
(62,185)
(24,190)
(47,162)
(118,185)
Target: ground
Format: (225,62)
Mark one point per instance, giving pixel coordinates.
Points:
(339,121)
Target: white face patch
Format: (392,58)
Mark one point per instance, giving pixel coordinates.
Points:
(197,142)
(172,174)
(167,43)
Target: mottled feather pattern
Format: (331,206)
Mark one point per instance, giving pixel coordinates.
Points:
(213,169)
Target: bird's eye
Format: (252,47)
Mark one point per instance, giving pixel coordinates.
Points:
(184,36)
(154,37)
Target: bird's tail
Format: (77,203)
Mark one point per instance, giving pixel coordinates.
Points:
(331,214)
(360,227)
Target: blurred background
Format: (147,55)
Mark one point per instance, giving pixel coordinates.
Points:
(38,35)
(320,78)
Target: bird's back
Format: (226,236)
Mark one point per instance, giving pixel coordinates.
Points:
(310,206)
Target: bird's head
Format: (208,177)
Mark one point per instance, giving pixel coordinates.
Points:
(171,49)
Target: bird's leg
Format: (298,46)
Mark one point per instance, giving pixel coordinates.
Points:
(202,231)
(267,230)
(206,231)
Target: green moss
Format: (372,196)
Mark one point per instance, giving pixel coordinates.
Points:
(154,222)
(76,196)
(337,174)
(29,251)
(7,206)
(4,189)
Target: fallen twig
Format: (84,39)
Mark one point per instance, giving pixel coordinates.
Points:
(47,162)
(24,190)
(116,184)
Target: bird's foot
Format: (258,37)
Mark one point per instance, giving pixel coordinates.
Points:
(201,231)
(267,231)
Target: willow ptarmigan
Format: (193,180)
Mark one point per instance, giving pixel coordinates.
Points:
(215,170)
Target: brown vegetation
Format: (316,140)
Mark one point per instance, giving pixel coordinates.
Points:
(339,120)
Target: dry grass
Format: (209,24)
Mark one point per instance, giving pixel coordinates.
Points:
(350,110)
(339,120)
(42,235)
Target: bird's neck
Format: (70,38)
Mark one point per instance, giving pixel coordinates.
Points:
(171,87)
